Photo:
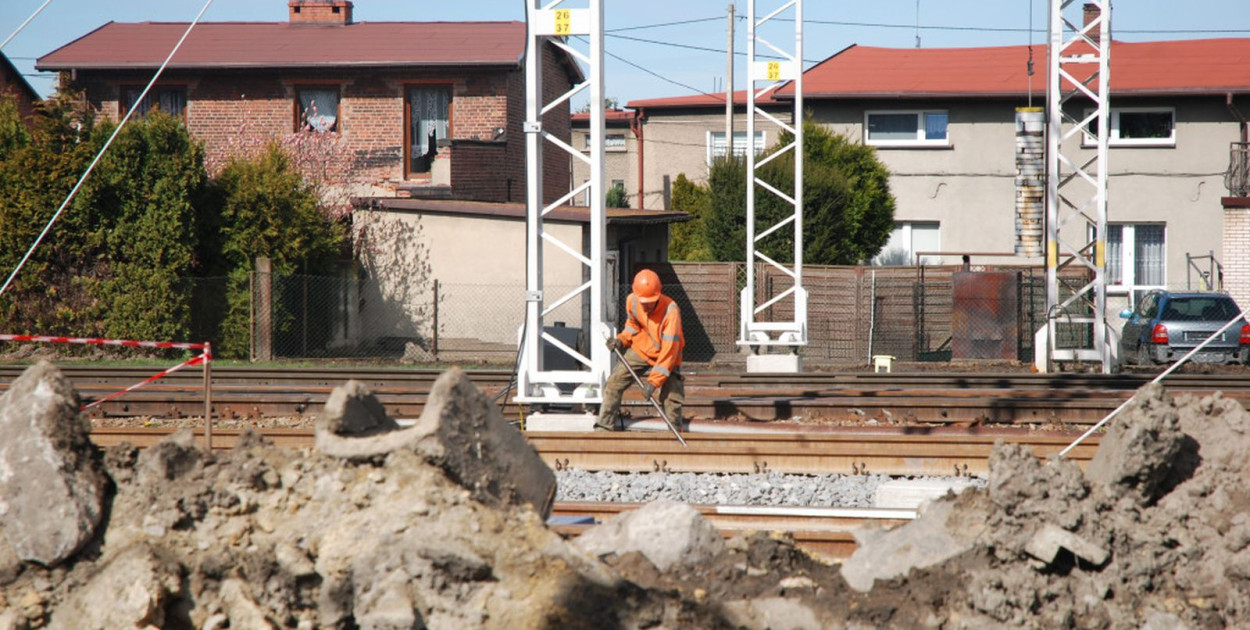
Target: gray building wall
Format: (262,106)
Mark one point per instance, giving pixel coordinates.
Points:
(969,186)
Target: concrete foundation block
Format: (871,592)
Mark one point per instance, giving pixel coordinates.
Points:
(560,422)
(910,494)
(783,363)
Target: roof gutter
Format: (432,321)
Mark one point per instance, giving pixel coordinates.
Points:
(1245,126)
(635,125)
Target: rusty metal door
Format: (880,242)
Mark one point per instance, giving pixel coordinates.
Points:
(985,315)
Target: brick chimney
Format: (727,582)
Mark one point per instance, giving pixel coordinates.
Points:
(320,11)
(1091,14)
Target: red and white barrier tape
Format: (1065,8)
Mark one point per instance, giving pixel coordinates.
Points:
(203,358)
(106,342)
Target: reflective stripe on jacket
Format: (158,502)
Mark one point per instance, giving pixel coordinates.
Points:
(656,336)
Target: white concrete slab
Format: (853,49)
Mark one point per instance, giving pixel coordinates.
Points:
(910,494)
(783,363)
(560,422)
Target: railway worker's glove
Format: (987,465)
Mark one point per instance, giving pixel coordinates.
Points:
(647,389)
(615,344)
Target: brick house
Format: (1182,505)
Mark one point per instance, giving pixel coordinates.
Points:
(14,84)
(683,134)
(430,109)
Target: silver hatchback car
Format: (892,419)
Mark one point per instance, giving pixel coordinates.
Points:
(1166,325)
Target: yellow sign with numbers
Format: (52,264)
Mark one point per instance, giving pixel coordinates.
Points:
(774,71)
(564,21)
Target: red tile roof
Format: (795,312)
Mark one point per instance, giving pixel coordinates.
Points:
(700,100)
(284,45)
(610,116)
(1207,66)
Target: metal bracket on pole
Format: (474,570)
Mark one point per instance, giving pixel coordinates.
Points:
(761,326)
(1076,188)
(556,25)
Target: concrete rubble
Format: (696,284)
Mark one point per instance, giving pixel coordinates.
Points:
(441,525)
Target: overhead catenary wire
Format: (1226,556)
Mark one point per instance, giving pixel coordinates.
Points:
(23,25)
(91,167)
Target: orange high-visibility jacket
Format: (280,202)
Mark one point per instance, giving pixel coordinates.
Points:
(656,336)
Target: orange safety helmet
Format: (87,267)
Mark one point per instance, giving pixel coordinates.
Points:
(647,286)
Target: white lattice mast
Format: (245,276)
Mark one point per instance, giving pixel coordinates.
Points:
(1076,199)
(758,331)
(554,23)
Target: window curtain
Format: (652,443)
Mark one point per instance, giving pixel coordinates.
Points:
(171,101)
(319,109)
(1115,254)
(935,126)
(430,120)
(1149,250)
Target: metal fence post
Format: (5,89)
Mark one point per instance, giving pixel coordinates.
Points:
(434,342)
(208,396)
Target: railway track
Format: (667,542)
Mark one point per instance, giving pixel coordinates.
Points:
(848,398)
(826,532)
(885,452)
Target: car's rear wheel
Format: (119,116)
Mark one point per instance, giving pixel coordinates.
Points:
(1143,355)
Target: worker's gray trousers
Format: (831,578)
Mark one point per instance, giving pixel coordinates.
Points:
(672,396)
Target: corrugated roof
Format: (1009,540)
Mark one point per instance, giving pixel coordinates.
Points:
(699,100)
(1205,66)
(284,45)
(572,214)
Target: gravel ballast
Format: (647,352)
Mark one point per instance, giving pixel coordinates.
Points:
(771,489)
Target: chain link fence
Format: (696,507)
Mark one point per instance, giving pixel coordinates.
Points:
(925,314)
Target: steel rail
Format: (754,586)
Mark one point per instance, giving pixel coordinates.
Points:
(915,407)
(851,453)
(403,376)
(913,399)
(823,531)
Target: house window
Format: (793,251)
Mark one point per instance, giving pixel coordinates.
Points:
(909,128)
(1136,126)
(317,109)
(429,126)
(906,240)
(716,144)
(1136,256)
(171,100)
(611,141)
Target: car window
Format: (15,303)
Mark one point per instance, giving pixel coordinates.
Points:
(1205,308)
(1147,306)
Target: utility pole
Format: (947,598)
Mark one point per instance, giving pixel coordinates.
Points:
(729,88)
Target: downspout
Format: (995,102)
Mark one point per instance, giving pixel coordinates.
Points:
(635,125)
(1245,126)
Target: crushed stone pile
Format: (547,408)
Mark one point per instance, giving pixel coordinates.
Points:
(442,525)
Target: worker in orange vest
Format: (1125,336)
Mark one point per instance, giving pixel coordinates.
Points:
(651,340)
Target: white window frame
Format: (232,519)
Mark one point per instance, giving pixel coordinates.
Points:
(611,142)
(739,146)
(920,140)
(906,231)
(1113,139)
(1128,260)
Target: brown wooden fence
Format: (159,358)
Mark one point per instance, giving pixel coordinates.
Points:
(853,312)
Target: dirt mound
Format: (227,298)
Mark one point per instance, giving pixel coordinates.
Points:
(1155,535)
(419,528)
